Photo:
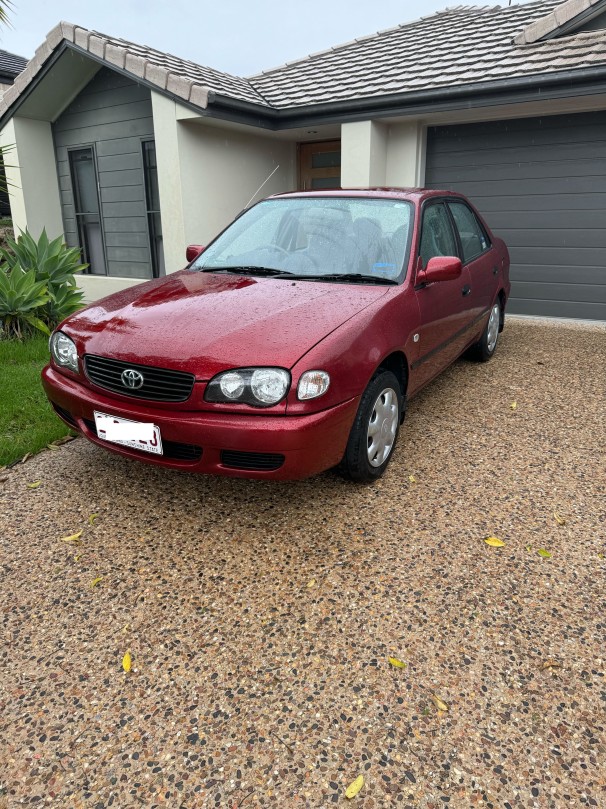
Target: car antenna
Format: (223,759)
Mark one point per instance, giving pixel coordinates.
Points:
(261,186)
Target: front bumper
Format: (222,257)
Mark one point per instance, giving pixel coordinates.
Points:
(279,447)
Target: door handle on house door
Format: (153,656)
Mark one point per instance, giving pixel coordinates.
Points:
(466,290)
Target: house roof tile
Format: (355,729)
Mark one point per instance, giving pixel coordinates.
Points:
(463,45)
(11,64)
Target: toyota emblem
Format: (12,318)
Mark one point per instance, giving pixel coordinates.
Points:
(132,379)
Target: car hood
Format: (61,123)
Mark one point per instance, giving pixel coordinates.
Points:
(204,323)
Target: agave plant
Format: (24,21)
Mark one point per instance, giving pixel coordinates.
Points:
(21,297)
(54,264)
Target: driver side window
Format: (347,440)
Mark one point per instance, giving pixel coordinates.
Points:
(437,236)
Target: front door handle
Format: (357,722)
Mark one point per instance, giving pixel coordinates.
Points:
(466,290)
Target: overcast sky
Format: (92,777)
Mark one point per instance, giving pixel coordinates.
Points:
(238,36)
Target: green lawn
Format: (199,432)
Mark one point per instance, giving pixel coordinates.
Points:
(27,421)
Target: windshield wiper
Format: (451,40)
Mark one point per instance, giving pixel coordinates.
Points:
(247,270)
(353,277)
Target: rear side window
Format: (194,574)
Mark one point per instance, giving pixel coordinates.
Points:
(437,236)
(474,240)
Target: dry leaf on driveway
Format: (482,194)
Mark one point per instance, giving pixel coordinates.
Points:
(127,662)
(440,704)
(34,485)
(355,786)
(559,519)
(494,542)
(397,664)
(73,538)
(545,554)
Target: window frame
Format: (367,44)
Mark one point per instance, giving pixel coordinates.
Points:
(428,204)
(75,195)
(461,201)
(153,256)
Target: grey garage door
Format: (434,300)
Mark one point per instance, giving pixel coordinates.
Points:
(541,185)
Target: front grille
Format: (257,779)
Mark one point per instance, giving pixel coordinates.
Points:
(159,385)
(172,450)
(252,461)
(65,415)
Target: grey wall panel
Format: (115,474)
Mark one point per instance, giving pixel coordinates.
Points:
(114,114)
(541,185)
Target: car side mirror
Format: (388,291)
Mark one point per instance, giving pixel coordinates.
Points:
(193,251)
(441,268)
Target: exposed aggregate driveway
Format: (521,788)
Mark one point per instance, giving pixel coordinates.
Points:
(260,617)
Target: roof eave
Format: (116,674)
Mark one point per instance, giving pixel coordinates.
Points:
(583,81)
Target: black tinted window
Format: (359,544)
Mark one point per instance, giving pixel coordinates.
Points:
(473,239)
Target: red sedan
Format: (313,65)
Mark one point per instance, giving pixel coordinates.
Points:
(292,343)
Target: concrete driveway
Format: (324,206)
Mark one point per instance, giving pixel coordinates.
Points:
(260,617)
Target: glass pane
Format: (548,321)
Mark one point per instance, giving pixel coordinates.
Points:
(325,160)
(473,238)
(85,181)
(318,236)
(437,237)
(326,182)
(96,255)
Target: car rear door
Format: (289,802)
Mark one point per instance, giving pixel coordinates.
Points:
(444,306)
(478,256)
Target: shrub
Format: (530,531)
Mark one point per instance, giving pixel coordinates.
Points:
(37,285)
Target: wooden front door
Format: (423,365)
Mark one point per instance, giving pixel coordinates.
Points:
(320,165)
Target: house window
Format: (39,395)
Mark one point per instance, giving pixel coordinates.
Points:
(152,197)
(85,183)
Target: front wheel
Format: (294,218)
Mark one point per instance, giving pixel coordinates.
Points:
(485,348)
(375,430)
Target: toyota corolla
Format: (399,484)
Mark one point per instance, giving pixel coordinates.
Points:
(290,344)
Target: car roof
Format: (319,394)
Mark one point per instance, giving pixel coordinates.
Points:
(411,194)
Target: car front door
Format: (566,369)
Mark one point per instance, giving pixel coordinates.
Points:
(444,305)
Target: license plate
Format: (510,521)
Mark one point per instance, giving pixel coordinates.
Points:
(135,434)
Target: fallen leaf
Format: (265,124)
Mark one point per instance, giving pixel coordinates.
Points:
(558,518)
(125,628)
(412,479)
(545,554)
(34,485)
(26,456)
(529,548)
(513,405)
(52,446)
(77,557)
(440,705)
(397,664)
(355,786)
(127,662)
(96,581)
(601,556)
(73,537)
(92,518)
(311,582)
(494,542)
(551,664)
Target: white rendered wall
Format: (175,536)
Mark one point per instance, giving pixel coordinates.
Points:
(377,154)
(207,175)
(32,177)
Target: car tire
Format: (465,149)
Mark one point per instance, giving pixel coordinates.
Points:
(375,430)
(484,349)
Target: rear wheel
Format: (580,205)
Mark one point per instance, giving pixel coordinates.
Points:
(487,345)
(375,430)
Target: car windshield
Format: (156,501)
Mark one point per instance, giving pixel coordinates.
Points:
(313,237)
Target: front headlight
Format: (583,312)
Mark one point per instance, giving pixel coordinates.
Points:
(259,387)
(64,351)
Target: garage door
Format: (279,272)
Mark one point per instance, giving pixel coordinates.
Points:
(541,185)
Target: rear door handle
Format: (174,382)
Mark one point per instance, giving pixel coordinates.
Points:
(466,290)
(495,270)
